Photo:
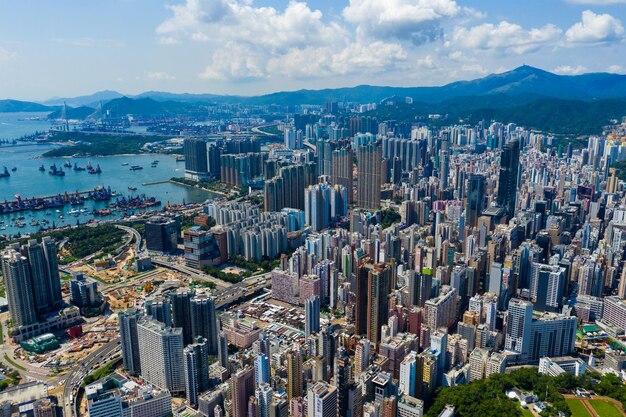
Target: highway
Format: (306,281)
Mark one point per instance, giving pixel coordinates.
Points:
(75,377)
(133,233)
(193,273)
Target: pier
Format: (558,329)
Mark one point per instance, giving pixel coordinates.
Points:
(76,198)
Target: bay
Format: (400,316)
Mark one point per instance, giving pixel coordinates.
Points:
(27,181)
(16,125)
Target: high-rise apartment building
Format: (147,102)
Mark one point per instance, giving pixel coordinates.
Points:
(369,173)
(129,340)
(161,355)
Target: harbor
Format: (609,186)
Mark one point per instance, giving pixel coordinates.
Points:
(29,181)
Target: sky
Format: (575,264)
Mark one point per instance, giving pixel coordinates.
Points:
(66,48)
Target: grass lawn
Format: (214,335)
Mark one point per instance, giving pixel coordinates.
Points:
(578,408)
(527,413)
(605,409)
(16,365)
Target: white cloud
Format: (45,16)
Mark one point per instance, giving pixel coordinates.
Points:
(426,62)
(570,70)
(505,37)
(414,20)
(597,2)
(159,75)
(595,28)
(6,55)
(615,69)
(250,43)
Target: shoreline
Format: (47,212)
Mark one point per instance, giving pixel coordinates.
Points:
(219,193)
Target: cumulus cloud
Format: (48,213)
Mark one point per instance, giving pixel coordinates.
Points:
(505,37)
(595,28)
(570,70)
(159,75)
(414,20)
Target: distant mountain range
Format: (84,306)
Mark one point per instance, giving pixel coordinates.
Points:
(525,86)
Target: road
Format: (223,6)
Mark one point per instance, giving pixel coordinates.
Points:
(134,233)
(75,377)
(193,273)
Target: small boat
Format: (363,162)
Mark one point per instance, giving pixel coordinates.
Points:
(14,169)
(67,164)
(5,174)
(34,223)
(74,212)
(42,168)
(48,213)
(77,168)
(57,211)
(97,170)
(83,210)
(125,164)
(131,188)
(136,167)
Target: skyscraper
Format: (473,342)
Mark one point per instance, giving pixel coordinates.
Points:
(181,311)
(379,279)
(196,164)
(369,172)
(161,355)
(204,321)
(196,368)
(294,373)
(129,340)
(507,182)
(518,326)
(264,394)
(261,370)
(322,400)
(311,316)
(44,270)
(475,202)
(242,388)
(342,162)
(342,380)
(19,290)
(222,349)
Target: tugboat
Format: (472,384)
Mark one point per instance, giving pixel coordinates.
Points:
(5,174)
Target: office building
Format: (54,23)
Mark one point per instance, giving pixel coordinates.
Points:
(311,315)
(518,326)
(475,202)
(261,370)
(162,234)
(507,181)
(264,395)
(84,291)
(201,249)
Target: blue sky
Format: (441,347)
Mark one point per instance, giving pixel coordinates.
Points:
(68,48)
